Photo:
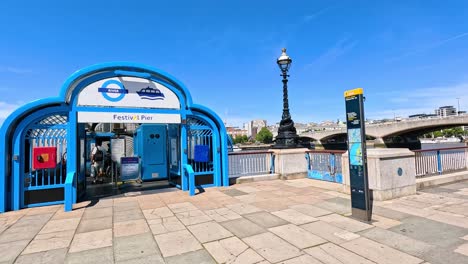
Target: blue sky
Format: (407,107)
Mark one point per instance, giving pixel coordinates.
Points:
(409,56)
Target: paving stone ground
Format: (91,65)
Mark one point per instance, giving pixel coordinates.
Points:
(291,221)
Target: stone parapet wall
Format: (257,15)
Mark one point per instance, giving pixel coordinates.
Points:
(290,163)
(391,173)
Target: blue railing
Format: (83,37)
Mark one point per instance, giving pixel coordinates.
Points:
(70,191)
(230,143)
(439,161)
(250,163)
(189,175)
(325,165)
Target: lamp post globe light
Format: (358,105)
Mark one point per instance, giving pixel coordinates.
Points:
(287,136)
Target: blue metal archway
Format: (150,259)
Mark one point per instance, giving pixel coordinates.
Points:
(25,117)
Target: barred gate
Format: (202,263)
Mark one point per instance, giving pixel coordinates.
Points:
(200,139)
(44,186)
(325,165)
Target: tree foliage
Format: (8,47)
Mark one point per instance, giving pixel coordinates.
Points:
(264,136)
(449,132)
(240,139)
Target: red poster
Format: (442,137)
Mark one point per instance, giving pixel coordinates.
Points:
(44,157)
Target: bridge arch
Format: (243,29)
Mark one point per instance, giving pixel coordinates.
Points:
(422,129)
(405,128)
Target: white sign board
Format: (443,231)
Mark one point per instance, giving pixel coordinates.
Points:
(109,117)
(128,92)
(118,149)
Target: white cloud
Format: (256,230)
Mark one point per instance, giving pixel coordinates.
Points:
(427,47)
(341,47)
(310,17)
(436,96)
(10,69)
(400,112)
(424,100)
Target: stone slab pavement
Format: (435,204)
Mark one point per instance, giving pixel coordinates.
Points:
(292,221)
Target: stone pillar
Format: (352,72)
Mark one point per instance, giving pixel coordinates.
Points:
(290,163)
(379,143)
(391,173)
(318,145)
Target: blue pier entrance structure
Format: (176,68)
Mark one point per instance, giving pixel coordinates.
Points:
(44,145)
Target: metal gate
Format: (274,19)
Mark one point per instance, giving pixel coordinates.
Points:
(201,151)
(44,186)
(324,165)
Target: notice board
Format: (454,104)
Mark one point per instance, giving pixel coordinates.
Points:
(129,168)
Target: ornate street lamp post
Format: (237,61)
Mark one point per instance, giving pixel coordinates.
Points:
(287,136)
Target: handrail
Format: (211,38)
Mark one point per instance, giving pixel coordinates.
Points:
(190,175)
(307,157)
(250,163)
(272,163)
(69,191)
(335,151)
(230,143)
(250,152)
(427,150)
(439,161)
(324,165)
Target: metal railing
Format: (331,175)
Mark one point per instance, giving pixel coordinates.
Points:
(70,191)
(189,176)
(247,163)
(325,165)
(439,161)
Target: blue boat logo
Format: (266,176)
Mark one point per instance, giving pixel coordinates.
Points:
(150,94)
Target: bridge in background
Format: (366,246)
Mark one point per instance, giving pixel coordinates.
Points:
(405,130)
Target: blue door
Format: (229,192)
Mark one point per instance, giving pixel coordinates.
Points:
(152,150)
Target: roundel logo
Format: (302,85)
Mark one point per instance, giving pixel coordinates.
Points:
(113,90)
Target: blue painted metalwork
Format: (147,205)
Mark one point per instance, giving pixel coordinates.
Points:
(44,127)
(151,145)
(6,150)
(201,132)
(144,75)
(230,143)
(43,204)
(127,110)
(15,125)
(69,86)
(48,131)
(223,140)
(72,153)
(439,162)
(69,190)
(272,162)
(324,166)
(189,175)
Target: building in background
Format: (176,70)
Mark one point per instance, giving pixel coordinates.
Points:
(235,132)
(254,126)
(421,116)
(248,128)
(445,111)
